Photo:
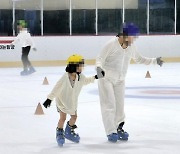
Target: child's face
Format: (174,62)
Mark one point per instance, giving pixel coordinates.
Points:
(19,27)
(80,68)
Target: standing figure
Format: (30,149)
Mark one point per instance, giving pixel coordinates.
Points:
(27,43)
(113,60)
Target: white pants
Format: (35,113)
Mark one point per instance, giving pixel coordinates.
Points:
(112,104)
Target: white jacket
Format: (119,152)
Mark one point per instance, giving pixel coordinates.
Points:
(115,60)
(25,39)
(66,96)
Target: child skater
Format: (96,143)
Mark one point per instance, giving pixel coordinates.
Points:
(66,92)
(25,39)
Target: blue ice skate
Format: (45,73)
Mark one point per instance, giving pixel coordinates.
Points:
(122,135)
(31,70)
(70,134)
(24,72)
(113,137)
(60,136)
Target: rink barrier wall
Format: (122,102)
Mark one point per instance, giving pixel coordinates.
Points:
(63,62)
(54,50)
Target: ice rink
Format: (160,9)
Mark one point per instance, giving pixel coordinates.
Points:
(152,107)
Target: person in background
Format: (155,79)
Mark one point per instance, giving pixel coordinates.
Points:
(114,60)
(26,42)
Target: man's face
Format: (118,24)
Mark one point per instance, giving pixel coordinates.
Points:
(128,40)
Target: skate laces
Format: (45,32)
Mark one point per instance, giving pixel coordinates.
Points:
(120,129)
(60,133)
(72,129)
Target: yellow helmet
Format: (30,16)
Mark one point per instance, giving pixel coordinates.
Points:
(75,59)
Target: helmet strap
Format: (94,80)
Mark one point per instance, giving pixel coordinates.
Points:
(78,73)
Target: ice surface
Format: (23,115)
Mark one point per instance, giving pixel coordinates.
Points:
(153,123)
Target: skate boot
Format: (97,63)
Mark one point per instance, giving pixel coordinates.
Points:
(122,135)
(60,136)
(113,137)
(24,72)
(31,70)
(70,134)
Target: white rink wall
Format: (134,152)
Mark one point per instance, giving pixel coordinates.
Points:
(50,48)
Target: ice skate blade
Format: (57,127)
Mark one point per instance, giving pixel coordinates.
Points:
(71,140)
(112,141)
(60,145)
(123,139)
(31,72)
(23,74)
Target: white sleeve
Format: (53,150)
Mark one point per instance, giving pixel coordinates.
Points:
(87,80)
(103,54)
(138,58)
(56,89)
(16,40)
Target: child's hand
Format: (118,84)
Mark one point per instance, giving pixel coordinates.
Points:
(47,103)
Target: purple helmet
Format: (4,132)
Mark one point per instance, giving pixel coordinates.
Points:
(130,29)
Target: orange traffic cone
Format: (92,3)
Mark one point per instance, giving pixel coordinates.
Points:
(148,75)
(39,110)
(45,82)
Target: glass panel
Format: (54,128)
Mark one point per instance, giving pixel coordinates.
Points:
(136,12)
(161,16)
(56,17)
(109,16)
(6,18)
(178,17)
(30,12)
(6,22)
(83,17)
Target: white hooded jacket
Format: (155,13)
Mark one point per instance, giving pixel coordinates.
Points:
(115,60)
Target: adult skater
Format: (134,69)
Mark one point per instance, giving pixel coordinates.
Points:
(114,60)
(27,43)
(66,92)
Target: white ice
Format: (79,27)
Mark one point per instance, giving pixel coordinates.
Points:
(153,123)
